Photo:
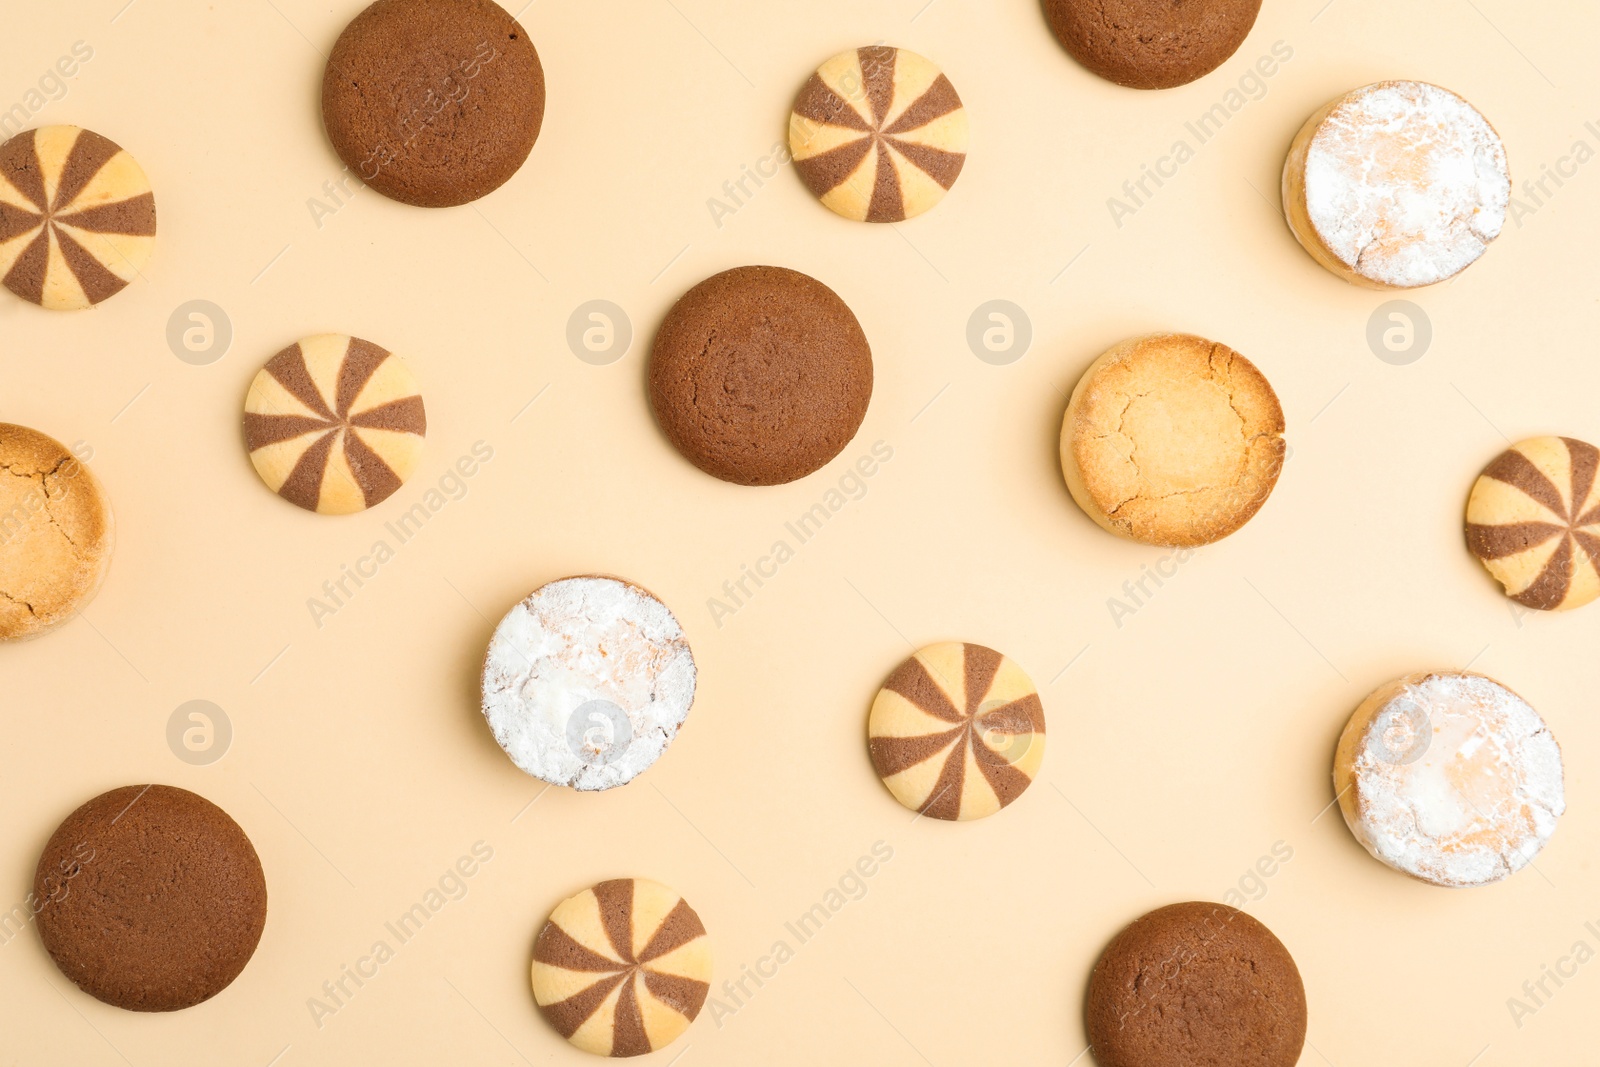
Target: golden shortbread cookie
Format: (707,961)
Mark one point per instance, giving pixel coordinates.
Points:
(1172,440)
(55,534)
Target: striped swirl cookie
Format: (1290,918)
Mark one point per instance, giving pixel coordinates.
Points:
(957,732)
(1534,521)
(878,134)
(334,424)
(77,217)
(623,968)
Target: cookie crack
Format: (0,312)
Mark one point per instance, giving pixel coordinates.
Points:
(19,600)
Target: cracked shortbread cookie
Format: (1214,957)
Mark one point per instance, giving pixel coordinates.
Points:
(1449,777)
(55,534)
(1192,984)
(1172,440)
(1534,522)
(760,375)
(1151,44)
(622,968)
(1396,185)
(587,681)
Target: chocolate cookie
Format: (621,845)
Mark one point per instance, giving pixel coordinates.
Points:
(150,898)
(1534,521)
(878,134)
(433,102)
(760,375)
(622,969)
(334,424)
(1193,984)
(55,534)
(1152,44)
(77,217)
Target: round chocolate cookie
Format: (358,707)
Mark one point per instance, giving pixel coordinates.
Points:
(1152,44)
(150,898)
(1196,983)
(760,375)
(433,102)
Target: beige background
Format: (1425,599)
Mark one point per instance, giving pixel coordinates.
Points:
(1183,744)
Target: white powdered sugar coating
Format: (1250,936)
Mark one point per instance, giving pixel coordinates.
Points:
(1406,183)
(1470,801)
(593,645)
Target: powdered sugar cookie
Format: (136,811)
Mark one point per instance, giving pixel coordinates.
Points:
(1397,185)
(1450,777)
(587,681)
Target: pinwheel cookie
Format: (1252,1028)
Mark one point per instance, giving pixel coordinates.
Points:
(878,134)
(1534,521)
(957,732)
(622,969)
(77,217)
(334,424)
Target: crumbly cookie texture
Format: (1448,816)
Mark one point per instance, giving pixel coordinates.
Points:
(1534,521)
(334,424)
(1450,777)
(1172,440)
(957,732)
(587,681)
(878,134)
(1192,984)
(77,217)
(623,968)
(1397,185)
(56,534)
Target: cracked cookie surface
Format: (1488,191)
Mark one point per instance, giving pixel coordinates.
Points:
(55,533)
(1450,777)
(1172,440)
(1151,44)
(1397,185)
(760,375)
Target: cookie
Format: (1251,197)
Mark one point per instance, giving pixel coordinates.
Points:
(77,217)
(1151,44)
(878,134)
(1449,777)
(56,534)
(1396,185)
(760,375)
(1172,440)
(1192,984)
(1534,520)
(150,898)
(587,681)
(622,969)
(433,102)
(334,424)
(957,732)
